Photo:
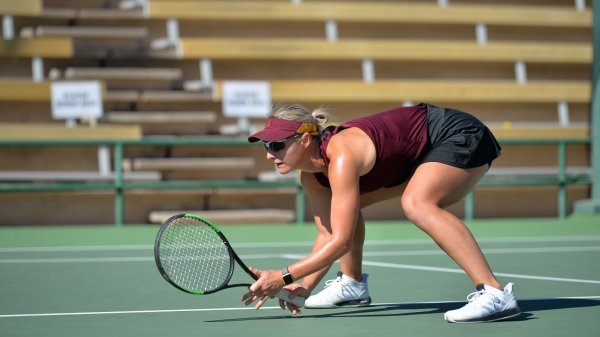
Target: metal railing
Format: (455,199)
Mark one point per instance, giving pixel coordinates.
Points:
(562,180)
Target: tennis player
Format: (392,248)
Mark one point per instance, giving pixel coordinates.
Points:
(430,156)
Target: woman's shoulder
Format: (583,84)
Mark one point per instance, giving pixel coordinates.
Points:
(348,140)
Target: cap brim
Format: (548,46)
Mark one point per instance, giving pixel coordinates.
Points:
(270,135)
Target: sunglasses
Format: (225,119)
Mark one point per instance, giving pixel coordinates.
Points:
(278,145)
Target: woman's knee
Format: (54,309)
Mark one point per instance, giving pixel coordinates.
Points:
(416,208)
(410,205)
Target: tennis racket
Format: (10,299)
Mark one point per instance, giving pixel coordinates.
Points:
(194,256)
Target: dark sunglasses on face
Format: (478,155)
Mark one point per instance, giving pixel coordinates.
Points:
(278,145)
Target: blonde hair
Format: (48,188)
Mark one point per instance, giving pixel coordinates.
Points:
(297,113)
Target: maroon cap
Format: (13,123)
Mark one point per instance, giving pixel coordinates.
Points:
(278,129)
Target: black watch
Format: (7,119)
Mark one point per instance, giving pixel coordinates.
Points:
(287,277)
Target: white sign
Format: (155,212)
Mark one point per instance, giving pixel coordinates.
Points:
(72,100)
(246,98)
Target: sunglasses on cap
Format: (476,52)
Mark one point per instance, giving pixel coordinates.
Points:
(278,145)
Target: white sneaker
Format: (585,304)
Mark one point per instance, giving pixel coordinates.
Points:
(344,291)
(487,304)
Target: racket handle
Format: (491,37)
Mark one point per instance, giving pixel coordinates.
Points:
(298,301)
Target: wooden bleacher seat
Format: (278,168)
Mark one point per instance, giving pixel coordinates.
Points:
(232,216)
(497,91)
(73,176)
(84,32)
(535,176)
(255,191)
(90,13)
(160,74)
(157,96)
(57,47)
(27,132)
(157,164)
(389,49)
(360,11)
(538,130)
(506,172)
(36,8)
(161,117)
(21,7)
(275,176)
(365,11)
(27,90)
(20,89)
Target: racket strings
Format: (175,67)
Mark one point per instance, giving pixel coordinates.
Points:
(194,256)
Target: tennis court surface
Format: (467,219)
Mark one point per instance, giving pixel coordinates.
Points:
(102,281)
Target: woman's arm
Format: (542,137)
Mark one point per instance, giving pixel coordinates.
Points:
(320,199)
(344,172)
(345,168)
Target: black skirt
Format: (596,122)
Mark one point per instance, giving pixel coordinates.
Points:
(459,139)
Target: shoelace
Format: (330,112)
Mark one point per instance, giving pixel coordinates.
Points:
(472,297)
(344,287)
(330,282)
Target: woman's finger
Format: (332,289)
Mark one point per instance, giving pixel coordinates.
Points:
(256,272)
(261,302)
(253,298)
(293,309)
(247,296)
(255,287)
(282,304)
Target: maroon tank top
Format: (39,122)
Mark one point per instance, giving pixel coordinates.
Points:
(400,138)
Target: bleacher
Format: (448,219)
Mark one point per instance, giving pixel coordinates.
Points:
(521,67)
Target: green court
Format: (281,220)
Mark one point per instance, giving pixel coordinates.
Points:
(102,281)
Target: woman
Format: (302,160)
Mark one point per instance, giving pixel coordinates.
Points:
(431,157)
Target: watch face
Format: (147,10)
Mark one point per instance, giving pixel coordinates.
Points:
(288,279)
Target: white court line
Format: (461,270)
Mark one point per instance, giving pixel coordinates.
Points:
(302,244)
(262,308)
(119,259)
(456,271)
(460,271)
(489,251)
(298,256)
(74,248)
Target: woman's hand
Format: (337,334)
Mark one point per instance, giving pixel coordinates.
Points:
(296,289)
(269,283)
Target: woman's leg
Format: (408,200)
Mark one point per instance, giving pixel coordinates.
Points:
(433,187)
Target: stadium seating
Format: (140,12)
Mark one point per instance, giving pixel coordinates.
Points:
(74,176)
(50,132)
(27,90)
(155,117)
(84,32)
(21,7)
(420,52)
(261,216)
(369,12)
(145,164)
(60,47)
(445,91)
(389,49)
(71,73)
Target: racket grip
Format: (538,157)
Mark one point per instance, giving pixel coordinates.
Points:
(298,301)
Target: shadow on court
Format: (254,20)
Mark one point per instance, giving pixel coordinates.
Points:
(381,310)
